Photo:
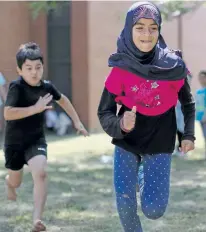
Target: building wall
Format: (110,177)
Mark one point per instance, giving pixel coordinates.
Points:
(38,33)
(194,43)
(95,26)
(105,21)
(79,59)
(17,29)
(20,27)
(13,33)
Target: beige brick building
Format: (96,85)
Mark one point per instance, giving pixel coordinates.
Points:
(94,27)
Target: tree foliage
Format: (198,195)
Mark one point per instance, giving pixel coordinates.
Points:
(169,8)
(172,9)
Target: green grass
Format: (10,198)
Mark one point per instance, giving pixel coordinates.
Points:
(81,197)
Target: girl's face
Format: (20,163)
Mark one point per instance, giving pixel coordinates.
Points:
(145,34)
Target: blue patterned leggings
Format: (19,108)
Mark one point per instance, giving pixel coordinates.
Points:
(152,174)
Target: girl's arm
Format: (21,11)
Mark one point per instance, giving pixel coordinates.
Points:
(107,115)
(188,108)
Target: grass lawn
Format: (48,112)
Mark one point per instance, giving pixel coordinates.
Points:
(81,197)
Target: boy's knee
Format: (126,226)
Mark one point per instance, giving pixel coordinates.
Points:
(13,182)
(40,174)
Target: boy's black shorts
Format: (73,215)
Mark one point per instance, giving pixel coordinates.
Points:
(16,156)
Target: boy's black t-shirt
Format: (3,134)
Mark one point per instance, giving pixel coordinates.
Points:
(28,130)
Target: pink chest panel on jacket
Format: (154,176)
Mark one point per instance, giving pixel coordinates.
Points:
(149,96)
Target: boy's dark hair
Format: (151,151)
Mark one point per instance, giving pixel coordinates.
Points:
(30,51)
(202,72)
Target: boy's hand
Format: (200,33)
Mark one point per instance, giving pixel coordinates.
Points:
(41,104)
(80,129)
(187,145)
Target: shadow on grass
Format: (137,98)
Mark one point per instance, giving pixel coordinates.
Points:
(78,199)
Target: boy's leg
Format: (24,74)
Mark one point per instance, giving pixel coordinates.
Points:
(14,163)
(13,181)
(37,162)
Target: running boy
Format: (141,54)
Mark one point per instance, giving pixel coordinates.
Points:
(28,97)
(201,104)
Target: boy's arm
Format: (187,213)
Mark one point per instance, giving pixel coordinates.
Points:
(65,104)
(15,113)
